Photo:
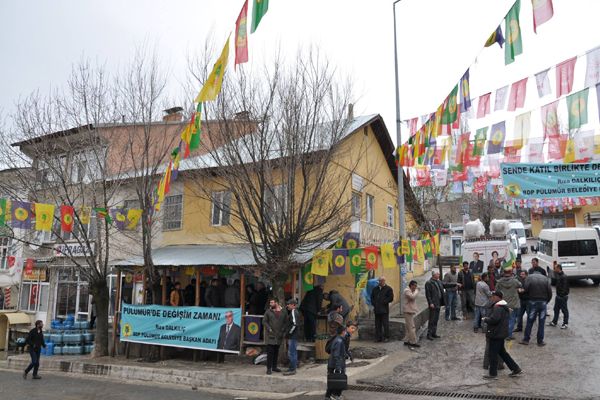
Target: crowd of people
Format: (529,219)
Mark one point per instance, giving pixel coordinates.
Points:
(498,302)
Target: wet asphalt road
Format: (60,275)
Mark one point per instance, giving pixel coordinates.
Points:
(568,367)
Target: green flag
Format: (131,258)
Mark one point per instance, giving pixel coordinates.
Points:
(2,211)
(480,137)
(514,45)
(102,212)
(197,130)
(449,115)
(259,9)
(356,260)
(577,105)
(307,278)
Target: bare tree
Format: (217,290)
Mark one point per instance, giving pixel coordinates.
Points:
(284,186)
(61,136)
(432,200)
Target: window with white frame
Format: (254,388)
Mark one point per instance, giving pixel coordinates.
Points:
(5,252)
(356,200)
(87,165)
(370,208)
(275,201)
(172,212)
(221,206)
(390,216)
(34,296)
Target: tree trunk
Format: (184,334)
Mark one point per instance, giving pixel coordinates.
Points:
(101,297)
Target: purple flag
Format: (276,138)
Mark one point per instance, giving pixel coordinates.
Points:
(351,240)
(497,136)
(21,214)
(340,257)
(465,93)
(398,251)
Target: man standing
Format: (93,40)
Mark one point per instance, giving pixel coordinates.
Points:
(467,290)
(434,292)
(175,299)
(381,297)
(410,309)
(562,296)
(523,301)
(510,287)
(535,267)
(335,298)
(451,281)
(310,307)
(497,331)
(292,334)
(275,327)
(539,291)
(476,265)
(482,296)
(35,340)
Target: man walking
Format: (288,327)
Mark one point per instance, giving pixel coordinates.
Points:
(434,292)
(451,281)
(381,297)
(510,287)
(467,290)
(274,321)
(292,334)
(539,291)
(410,309)
(482,298)
(562,296)
(35,340)
(497,331)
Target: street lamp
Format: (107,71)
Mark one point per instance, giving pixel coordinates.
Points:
(401,221)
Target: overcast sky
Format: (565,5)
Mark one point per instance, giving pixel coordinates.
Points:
(437,40)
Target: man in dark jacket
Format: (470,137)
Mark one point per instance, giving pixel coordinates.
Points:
(292,334)
(381,297)
(275,322)
(434,292)
(539,292)
(337,359)
(497,331)
(35,340)
(310,307)
(562,296)
(535,267)
(523,299)
(213,295)
(335,298)
(467,290)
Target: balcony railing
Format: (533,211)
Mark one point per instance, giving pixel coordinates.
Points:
(373,234)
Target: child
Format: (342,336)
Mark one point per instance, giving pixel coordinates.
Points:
(336,348)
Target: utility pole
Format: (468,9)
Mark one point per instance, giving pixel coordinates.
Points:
(401,219)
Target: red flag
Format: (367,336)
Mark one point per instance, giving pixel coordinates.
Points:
(456,124)
(564,76)
(550,119)
(241,36)
(371,257)
(518,91)
(542,12)
(483,107)
(512,152)
(556,147)
(460,176)
(66,218)
(423,176)
(29,263)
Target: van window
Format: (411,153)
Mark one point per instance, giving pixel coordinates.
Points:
(519,232)
(574,248)
(545,247)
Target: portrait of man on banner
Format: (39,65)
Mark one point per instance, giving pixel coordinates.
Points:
(229,334)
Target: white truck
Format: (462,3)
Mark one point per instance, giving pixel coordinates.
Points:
(517,228)
(501,242)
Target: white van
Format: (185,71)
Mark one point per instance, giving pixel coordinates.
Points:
(576,249)
(518,229)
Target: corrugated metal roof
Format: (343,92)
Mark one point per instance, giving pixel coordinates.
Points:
(230,255)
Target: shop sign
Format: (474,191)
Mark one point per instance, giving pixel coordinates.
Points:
(72,250)
(36,274)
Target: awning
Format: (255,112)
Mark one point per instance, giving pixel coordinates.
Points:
(228,255)
(16,318)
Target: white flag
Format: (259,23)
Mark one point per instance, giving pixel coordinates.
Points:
(500,102)
(440,177)
(592,73)
(584,145)
(522,127)
(543,83)
(535,154)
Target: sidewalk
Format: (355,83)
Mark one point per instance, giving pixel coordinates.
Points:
(229,375)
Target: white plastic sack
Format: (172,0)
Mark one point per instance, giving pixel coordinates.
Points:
(498,227)
(474,229)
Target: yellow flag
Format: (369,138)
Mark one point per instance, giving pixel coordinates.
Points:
(388,256)
(84,215)
(420,253)
(435,242)
(133,218)
(321,262)
(212,86)
(44,217)
(405,245)
(186,134)
(569,151)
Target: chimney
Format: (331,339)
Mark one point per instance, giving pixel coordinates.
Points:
(174,114)
(350,111)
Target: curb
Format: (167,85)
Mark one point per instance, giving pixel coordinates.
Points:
(205,379)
